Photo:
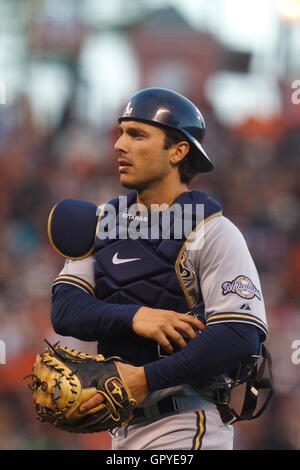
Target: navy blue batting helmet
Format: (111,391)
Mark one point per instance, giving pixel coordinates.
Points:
(169,109)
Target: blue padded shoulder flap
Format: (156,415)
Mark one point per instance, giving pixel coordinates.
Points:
(72,227)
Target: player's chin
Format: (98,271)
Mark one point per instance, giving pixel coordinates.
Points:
(130,182)
(126,182)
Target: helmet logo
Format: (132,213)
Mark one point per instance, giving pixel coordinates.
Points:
(128,110)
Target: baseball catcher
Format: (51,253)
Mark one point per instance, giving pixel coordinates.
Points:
(172,312)
(63,378)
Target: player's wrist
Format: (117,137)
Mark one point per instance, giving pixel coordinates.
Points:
(135,380)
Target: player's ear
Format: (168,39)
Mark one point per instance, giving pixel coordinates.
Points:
(179,151)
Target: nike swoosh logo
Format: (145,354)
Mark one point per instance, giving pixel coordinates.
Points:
(117,260)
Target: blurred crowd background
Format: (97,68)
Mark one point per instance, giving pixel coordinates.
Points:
(66,69)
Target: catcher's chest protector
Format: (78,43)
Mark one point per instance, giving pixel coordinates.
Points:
(146,270)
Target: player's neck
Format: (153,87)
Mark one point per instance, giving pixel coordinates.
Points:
(160,195)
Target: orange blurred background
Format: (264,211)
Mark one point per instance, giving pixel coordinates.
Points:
(67,69)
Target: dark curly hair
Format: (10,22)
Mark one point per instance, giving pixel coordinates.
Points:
(185,168)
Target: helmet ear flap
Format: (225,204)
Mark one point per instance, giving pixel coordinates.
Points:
(169,109)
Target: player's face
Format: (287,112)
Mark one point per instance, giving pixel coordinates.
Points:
(143,160)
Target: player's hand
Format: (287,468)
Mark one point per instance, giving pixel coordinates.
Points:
(135,380)
(164,326)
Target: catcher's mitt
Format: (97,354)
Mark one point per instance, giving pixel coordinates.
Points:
(63,378)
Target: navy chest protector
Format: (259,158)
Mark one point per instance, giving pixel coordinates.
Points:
(138,261)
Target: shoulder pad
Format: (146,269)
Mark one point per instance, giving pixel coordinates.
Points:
(72,227)
(211,206)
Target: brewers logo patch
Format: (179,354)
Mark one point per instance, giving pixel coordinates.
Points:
(242,286)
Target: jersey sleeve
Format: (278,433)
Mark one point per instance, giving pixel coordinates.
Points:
(78,273)
(227,276)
